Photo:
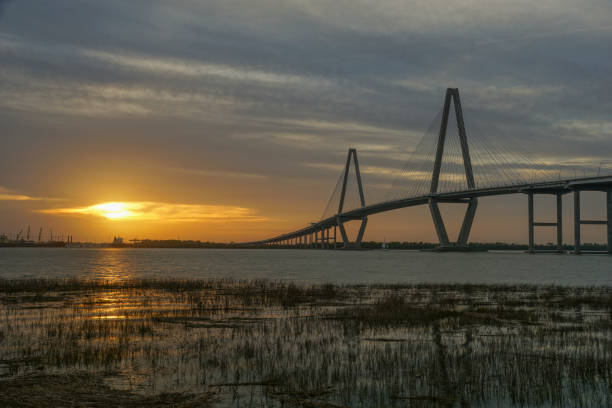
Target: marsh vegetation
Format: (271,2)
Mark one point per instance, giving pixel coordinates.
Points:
(228,343)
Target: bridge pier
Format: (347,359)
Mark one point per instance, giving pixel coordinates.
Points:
(468,221)
(347,244)
(609,214)
(530,217)
(532,224)
(334,237)
(438,223)
(559,197)
(578,221)
(466,226)
(323,238)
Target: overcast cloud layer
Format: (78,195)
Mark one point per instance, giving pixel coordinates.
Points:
(253,104)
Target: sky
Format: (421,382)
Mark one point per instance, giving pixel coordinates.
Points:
(230,120)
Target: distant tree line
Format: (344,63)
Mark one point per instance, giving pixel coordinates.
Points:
(173,243)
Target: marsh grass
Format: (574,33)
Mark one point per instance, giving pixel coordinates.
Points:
(258,343)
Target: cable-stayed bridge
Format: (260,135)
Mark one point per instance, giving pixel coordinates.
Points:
(448,167)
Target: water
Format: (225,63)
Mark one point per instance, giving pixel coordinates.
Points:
(307,266)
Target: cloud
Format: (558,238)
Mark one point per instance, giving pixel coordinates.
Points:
(71,97)
(161,212)
(184,67)
(579,130)
(536,36)
(218,173)
(16,197)
(9,195)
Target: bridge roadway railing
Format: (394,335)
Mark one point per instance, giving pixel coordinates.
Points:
(304,236)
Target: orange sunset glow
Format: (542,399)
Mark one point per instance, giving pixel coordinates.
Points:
(164,212)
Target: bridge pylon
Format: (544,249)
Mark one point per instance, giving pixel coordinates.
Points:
(341,219)
(472,202)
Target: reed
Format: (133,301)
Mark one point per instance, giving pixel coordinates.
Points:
(242,343)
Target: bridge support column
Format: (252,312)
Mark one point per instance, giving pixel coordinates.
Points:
(345,239)
(609,219)
(334,237)
(438,223)
(468,220)
(559,222)
(323,242)
(577,222)
(466,226)
(532,224)
(530,217)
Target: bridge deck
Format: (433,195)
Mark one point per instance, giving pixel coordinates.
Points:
(603,183)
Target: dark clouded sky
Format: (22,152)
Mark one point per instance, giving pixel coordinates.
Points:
(230,120)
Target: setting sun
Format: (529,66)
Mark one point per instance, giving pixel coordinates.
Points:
(114,211)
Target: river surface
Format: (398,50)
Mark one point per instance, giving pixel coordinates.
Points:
(307,266)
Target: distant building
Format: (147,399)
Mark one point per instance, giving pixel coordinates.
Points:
(117,240)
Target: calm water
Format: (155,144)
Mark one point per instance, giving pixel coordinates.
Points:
(307,265)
